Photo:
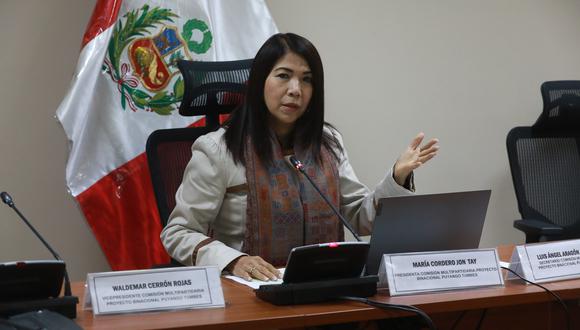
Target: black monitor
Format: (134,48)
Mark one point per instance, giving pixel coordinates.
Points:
(29,280)
(328,261)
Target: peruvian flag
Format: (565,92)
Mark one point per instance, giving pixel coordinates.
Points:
(125,86)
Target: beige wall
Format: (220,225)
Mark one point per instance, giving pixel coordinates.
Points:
(40,46)
(463,71)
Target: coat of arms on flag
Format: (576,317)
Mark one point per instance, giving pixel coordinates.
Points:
(153,57)
(127,85)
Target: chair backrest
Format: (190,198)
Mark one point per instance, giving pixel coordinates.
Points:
(561,105)
(211,89)
(545,167)
(168,152)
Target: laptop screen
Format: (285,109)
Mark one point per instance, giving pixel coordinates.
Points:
(435,222)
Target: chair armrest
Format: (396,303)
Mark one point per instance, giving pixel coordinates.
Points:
(537,227)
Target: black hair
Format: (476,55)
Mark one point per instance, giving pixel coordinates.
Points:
(250,119)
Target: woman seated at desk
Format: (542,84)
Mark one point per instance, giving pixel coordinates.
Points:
(242,207)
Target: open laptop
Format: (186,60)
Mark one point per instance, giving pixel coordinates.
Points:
(436,222)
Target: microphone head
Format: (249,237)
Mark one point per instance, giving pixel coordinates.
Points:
(6,199)
(296,163)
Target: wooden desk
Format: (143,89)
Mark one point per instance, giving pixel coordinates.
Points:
(515,306)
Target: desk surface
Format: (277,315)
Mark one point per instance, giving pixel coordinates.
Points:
(245,311)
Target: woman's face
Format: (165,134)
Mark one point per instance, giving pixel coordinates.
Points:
(287,92)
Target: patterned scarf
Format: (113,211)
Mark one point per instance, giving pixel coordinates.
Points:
(284,210)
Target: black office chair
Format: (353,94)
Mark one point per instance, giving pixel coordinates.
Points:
(545,166)
(168,152)
(561,105)
(211,89)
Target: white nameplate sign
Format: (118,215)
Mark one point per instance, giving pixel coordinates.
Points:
(155,290)
(546,262)
(411,273)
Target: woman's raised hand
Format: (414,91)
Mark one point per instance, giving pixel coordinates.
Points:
(413,157)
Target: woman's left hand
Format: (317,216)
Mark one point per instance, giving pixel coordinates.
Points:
(414,156)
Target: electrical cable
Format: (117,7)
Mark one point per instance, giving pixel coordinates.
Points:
(427,320)
(408,308)
(459,318)
(558,299)
(480,322)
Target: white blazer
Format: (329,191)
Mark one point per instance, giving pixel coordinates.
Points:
(202,200)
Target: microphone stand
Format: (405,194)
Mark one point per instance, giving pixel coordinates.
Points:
(300,167)
(66,308)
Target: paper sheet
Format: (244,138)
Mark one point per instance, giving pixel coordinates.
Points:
(255,284)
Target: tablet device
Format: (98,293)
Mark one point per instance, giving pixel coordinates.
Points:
(326,261)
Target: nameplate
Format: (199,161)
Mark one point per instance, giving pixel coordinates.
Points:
(546,262)
(155,290)
(412,273)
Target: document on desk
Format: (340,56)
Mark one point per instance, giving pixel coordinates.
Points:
(254,283)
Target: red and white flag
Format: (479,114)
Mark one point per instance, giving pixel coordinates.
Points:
(126,85)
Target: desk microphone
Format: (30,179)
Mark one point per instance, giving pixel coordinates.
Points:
(8,201)
(300,168)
